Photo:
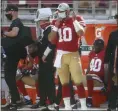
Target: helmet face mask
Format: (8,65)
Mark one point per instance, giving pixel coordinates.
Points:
(62,15)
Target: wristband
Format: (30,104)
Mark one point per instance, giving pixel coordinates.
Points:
(77,26)
(47,51)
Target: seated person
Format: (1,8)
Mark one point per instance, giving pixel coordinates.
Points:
(95,69)
(27,68)
(33,57)
(22,72)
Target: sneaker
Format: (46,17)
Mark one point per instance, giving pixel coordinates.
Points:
(43,108)
(10,107)
(35,106)
(20,105)
(27,102)
(72,101)
(76,105)
(68,108)
(89,102)
(51,107)
(56,107)
(113,109)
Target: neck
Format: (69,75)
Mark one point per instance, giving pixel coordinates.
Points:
(14,17)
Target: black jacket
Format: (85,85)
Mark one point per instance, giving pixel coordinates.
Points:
(110,49)
(44,43)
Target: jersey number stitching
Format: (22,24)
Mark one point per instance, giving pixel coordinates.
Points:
(63,34)
(95,65)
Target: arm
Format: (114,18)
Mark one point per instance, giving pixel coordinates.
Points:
(12,33)
(78,28)
(79,24)
(89,61)
(47,51)
(88,69)
(109,50)
(53,34)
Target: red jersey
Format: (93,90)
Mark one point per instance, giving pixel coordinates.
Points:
(67,37)
(97,63)
(36,60)
(22,63)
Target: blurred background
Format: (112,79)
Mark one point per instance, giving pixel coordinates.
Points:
(89,9)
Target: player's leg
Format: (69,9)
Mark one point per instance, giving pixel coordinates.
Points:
(22,89)
(76,73)
(37,102)
(72,93)
(37,91)
(58,95)
(90,85)
(64,74)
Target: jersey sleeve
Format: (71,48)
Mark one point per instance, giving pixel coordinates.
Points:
(53,23)
(21,64)
(81,21)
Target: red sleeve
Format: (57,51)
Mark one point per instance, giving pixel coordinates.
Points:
(53,22)
(36,60)
(21,64)
(81,20)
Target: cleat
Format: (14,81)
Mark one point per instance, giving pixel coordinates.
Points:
(35,106)
(10,107)
(89,102)
(28,102)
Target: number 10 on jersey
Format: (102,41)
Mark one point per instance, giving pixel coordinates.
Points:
(65,34)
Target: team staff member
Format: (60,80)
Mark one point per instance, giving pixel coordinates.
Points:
(111,62)
(46,56)
(13,55)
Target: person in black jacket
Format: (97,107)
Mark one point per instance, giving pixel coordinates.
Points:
(111,64)
(14,54)
(46,56)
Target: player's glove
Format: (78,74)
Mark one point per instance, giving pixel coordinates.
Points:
(104,89)
(33,72)
(25,72)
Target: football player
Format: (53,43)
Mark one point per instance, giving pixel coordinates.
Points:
(25,68)
(67,30)
(95,69)
(22,71)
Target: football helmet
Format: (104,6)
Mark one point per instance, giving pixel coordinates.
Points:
(62,10)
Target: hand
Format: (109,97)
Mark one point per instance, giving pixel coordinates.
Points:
(104,90)
(3,34)
(44,58)
(57,23)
